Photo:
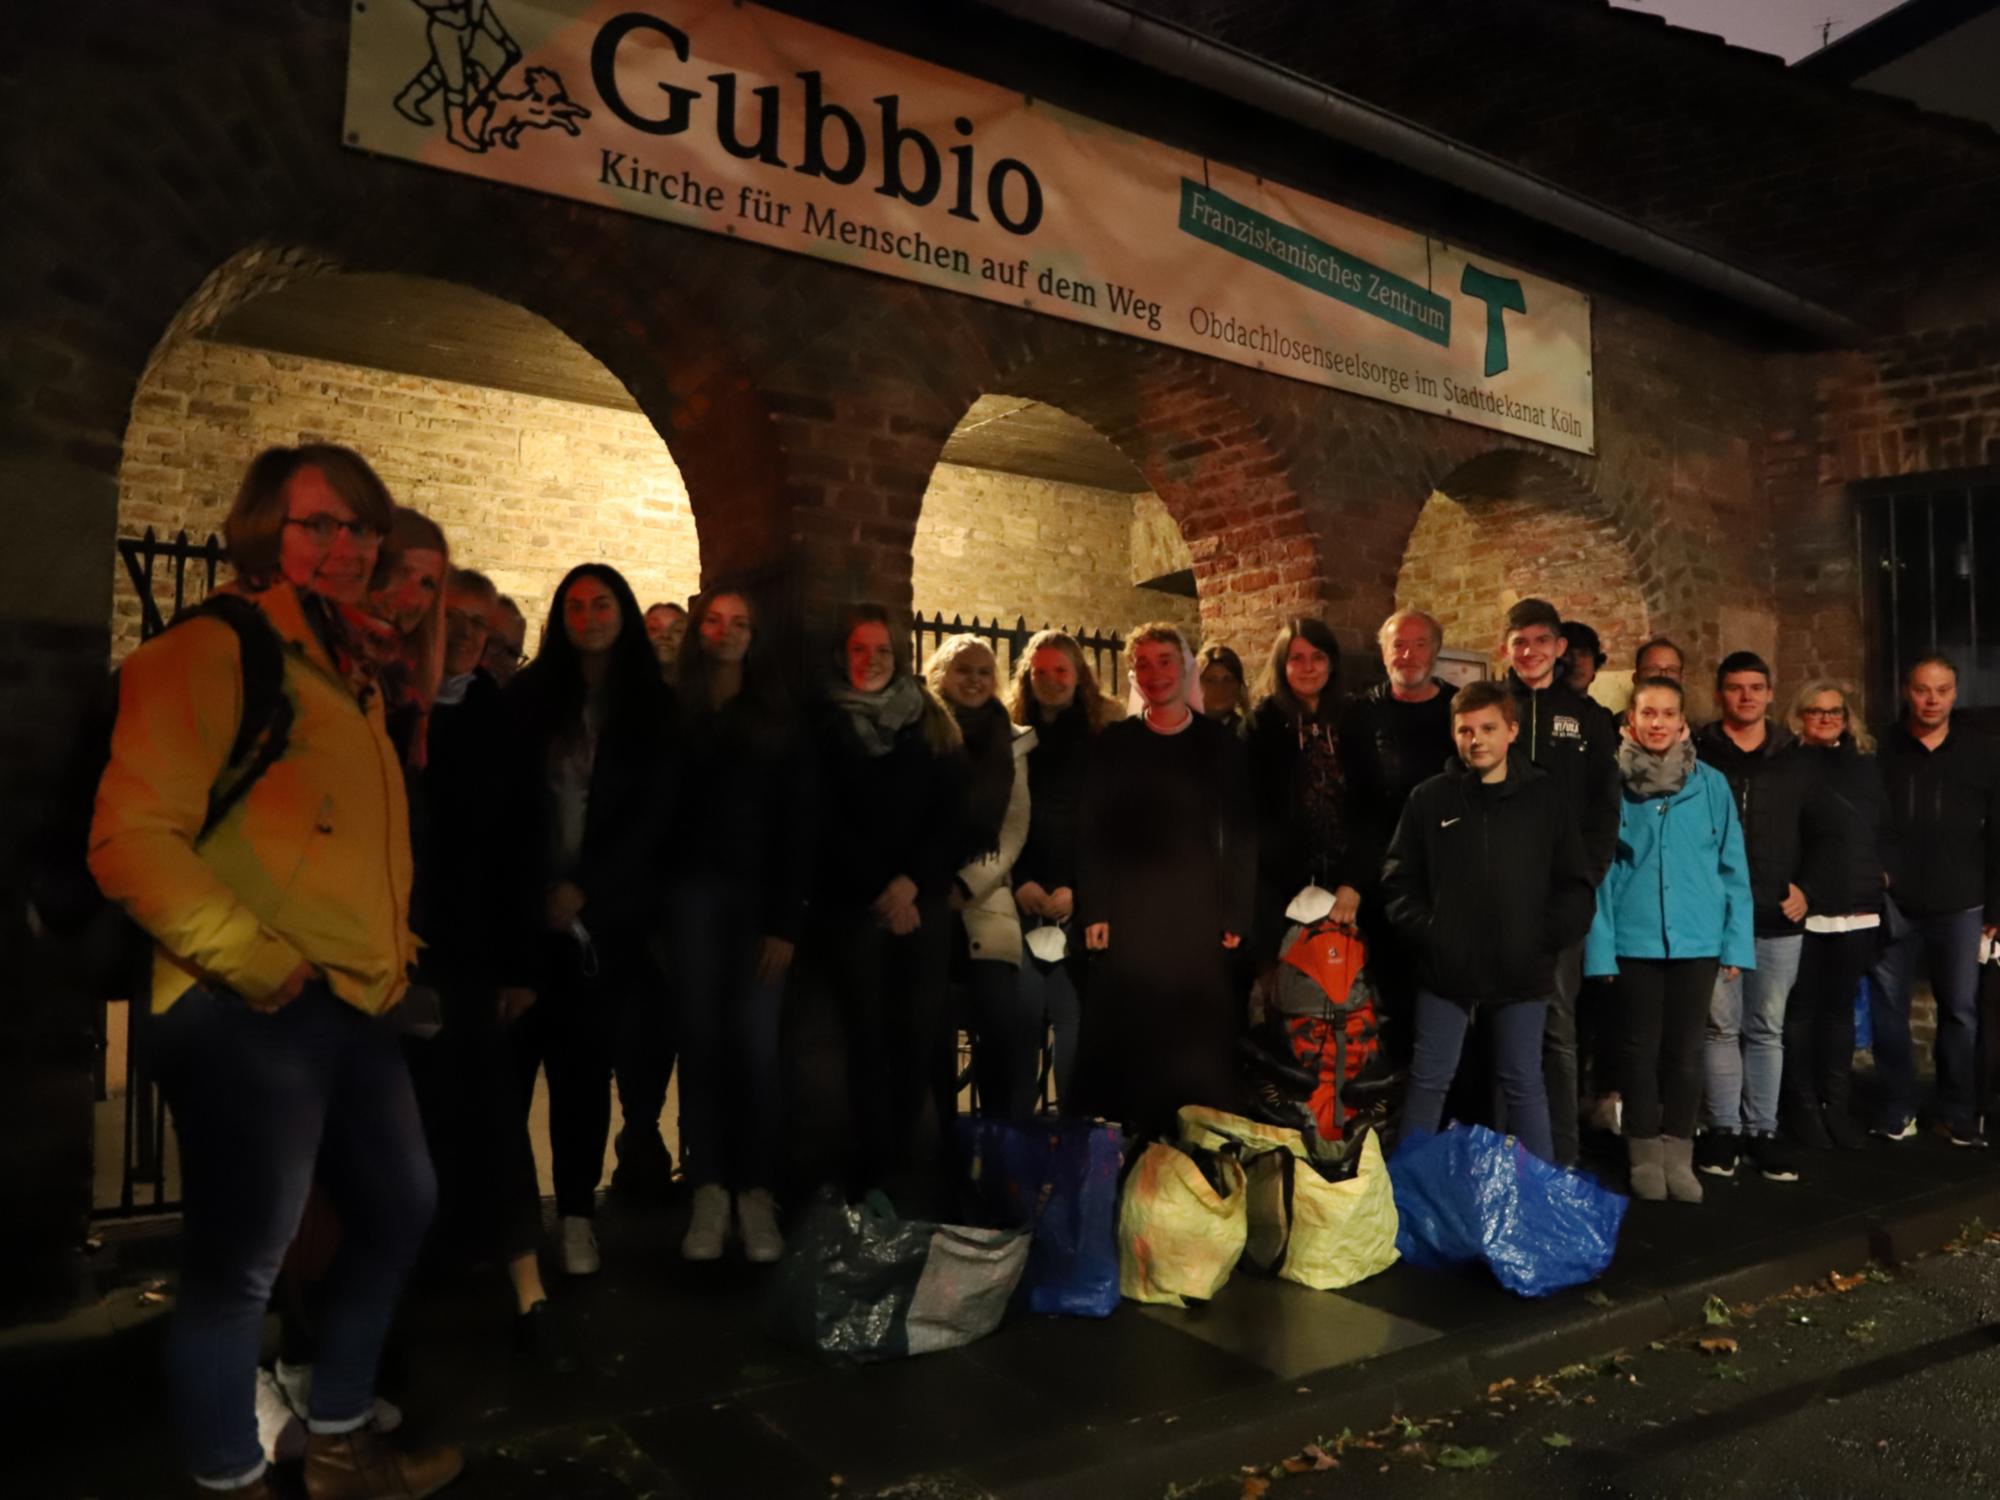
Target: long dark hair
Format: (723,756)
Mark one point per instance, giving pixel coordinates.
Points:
(1278,689)
(764,695)
(552,684)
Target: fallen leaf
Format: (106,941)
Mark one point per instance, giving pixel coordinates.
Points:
(1597,1299)
(1863,1332)
(1730,1372)
(1716,1346)
(1878,1272)
(1558,1440)
(1715,1313)
(1500,1385)
(1842,1283)
(1296,1466)
(1657,1347)
(1321,1459)
(1453,1457)
(1571,1372)
(1254,1487)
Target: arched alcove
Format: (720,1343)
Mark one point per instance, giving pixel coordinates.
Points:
(1510,525)
(483,415)
(1032,515)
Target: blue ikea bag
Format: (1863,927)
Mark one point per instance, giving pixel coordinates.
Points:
(1864,1014)
(1060,1178)
(1467,1194)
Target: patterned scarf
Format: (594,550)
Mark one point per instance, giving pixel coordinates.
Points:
(877,718)
(368,655)
(1650,775)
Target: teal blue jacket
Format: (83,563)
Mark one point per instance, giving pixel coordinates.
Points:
(1680,885)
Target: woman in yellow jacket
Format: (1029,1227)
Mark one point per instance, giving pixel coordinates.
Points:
(282,940)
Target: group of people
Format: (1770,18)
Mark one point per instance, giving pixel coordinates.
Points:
(464,868)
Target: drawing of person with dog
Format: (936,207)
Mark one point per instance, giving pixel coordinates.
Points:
(471,52)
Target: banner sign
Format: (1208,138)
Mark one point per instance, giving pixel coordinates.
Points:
(738,121)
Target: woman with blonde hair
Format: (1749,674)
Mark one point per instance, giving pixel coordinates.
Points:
(1056,695)
(1166,872)
(893,774)
(1843,886)
(1007,1034)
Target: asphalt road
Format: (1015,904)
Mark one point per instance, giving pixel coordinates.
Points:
(1885,1386)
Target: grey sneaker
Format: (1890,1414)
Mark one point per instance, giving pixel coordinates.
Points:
(1905,1131)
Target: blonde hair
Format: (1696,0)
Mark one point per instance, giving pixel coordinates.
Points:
(1795,715)
(423,648)
(1098,710)
(938,665)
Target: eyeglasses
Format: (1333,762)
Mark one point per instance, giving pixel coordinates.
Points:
(324,526)
(1822,713)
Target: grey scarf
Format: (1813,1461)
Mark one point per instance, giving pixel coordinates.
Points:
(1650,775)
(877,718)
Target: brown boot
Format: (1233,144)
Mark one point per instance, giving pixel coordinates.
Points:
(359,1465)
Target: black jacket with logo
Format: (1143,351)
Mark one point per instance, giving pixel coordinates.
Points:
(1488,883)
(1944,822)
(1575,740)
(1775,796)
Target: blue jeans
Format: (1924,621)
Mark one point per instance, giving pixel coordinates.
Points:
(732,1084)
(1949,945)
(262,1104)
(1517,1066)
(1049,991)
(1745,1059)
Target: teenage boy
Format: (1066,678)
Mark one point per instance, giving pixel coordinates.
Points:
(1775,796)
(1944,891)
(1575,741)
(1586,655)
(1487,881)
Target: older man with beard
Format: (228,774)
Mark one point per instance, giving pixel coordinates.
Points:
(1394,737)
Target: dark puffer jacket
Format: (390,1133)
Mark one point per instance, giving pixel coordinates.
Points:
(1842,874)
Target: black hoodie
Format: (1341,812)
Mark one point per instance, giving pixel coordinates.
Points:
(1488,883)
(1575,740)
(1943,845)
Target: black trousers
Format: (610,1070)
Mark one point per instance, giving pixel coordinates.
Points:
(572,1032)
(892,993)
(1819,1019)
(1662,1012)
(468,1087)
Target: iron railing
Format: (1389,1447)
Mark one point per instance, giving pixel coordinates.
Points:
(1103,652)
(1930,582)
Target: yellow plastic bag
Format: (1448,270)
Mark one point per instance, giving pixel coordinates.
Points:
(1177,1236)
(1321,1234)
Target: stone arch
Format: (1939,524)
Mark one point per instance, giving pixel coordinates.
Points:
(487,417)
(1512,523)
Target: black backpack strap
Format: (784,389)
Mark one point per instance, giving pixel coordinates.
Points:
(265,728)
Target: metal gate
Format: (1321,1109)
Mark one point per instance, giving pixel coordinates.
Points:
(1930,582)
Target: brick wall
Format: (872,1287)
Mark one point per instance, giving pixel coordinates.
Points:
(1469,561)
(1003,546)
(524,487)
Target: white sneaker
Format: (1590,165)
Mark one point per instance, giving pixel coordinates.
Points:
(757,1222)
(279,1429)
(579,1246)
(294,1386)
(708,1228)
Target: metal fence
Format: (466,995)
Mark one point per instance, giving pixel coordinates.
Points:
(1104,653)
(143,557)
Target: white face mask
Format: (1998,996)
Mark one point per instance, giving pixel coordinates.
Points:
(1048,943)
(1309,905)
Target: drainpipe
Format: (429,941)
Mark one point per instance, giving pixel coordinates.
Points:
(1173,50)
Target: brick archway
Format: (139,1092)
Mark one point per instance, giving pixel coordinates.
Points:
(1513,523)
(485,416)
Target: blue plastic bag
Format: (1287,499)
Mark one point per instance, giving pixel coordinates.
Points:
(1467,1194)
(1060,1178)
